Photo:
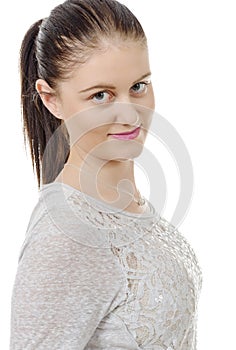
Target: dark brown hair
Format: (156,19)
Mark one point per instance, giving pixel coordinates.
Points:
(49,50)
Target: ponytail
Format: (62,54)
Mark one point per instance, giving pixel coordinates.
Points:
(38,123)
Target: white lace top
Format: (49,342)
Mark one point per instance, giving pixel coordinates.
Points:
(92,277)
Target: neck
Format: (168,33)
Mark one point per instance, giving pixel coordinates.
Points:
(108,181)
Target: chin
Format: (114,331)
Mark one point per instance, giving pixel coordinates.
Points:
(128,153)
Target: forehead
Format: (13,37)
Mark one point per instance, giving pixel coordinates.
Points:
(117,64)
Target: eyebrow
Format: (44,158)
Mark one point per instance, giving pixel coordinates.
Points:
(106,86)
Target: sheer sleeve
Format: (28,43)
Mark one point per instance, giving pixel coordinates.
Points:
(62,290)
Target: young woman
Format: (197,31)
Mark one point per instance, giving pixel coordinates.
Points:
(95,272)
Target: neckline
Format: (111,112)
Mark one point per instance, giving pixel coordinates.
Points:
(150,212)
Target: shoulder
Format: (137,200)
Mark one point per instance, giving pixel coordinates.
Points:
(53,265)
(61,242)
(69,248)
(63,287)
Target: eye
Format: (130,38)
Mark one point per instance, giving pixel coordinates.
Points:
(140,88)
(102,97)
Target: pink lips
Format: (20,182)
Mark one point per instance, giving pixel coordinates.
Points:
(126,135)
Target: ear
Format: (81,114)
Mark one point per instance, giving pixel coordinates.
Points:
(48,97)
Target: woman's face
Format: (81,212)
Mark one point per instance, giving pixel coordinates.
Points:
(111,93)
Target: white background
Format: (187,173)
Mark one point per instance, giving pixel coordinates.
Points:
(192,52)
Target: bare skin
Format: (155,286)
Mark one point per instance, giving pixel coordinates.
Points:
(110,93)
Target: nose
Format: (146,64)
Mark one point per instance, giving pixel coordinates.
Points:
(126,114)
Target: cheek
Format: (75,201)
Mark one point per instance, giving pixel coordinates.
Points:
(70,103)
(148,107)
(70,109)
(148,103)
(89,125)
(94,142)
(98,134)
(151,99)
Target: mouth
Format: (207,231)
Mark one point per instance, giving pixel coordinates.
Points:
(127,135)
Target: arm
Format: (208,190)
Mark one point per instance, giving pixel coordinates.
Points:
(62,291)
